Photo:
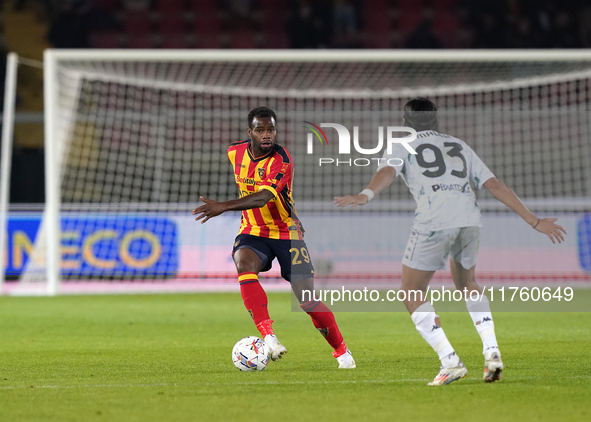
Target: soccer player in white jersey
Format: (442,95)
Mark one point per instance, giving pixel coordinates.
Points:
(441,177)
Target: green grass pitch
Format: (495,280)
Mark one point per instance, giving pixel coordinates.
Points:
(167,358)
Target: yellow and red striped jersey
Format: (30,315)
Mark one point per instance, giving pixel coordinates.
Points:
(274,172)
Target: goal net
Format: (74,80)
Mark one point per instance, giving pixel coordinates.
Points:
(134,138)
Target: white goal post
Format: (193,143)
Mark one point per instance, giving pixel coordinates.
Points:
(7,133)
(135,133)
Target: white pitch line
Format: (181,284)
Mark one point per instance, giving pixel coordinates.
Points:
(214,384)
(209,384)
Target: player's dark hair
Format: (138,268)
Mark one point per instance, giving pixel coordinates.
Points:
(421,114)
(260,112)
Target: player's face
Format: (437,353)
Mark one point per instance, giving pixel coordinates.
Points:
(262,135)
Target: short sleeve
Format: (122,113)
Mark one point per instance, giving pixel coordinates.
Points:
(397,159)
(279,175)
(479,172)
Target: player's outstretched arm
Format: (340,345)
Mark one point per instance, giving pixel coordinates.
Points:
(213,208)
(380,181)
(544,225)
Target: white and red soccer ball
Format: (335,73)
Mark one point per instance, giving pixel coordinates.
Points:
(249,354)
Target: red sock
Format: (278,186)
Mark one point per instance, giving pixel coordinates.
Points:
(255,299)
(324,321)
(265,328)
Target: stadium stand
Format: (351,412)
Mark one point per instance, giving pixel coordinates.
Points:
(340,23)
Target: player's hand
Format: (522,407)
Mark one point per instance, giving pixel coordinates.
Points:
(354,200)
(208,210)
(551,229)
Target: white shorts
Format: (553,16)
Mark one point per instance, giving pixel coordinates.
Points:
(428,251)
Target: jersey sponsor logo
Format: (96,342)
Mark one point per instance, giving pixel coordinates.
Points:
(247,181)
(465,188)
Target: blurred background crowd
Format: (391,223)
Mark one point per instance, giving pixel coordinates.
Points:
(314,23)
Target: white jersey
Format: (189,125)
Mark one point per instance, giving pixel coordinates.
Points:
(439,178)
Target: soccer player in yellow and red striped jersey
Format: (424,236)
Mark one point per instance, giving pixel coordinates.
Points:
(271,229)
(273,171)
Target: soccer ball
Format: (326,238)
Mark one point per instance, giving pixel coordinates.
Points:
(249,354)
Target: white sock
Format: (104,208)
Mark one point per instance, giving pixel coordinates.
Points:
(424,319)
(450,361)
(271,339)
(480,312)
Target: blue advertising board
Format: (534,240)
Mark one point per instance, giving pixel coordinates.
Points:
(584,240)
(95,245)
